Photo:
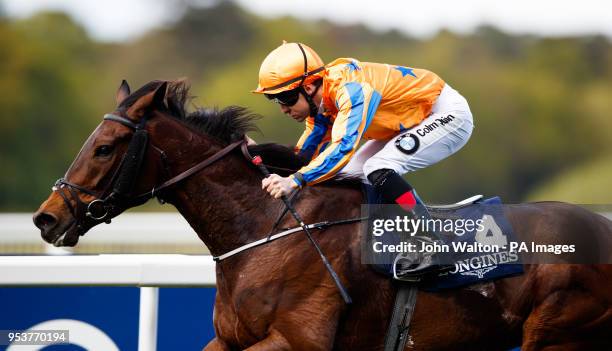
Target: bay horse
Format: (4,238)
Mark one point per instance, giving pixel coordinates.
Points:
(279,296)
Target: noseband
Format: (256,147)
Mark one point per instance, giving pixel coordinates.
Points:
(118,195)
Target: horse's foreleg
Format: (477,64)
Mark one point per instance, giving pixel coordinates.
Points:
(274,341)
(216,344)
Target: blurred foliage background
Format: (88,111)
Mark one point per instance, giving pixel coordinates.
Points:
(541,105)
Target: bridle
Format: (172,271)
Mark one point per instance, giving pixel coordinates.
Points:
(118,195)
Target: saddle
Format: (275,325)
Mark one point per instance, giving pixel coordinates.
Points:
(470,267)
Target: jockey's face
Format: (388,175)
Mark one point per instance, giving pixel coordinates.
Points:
(300,111)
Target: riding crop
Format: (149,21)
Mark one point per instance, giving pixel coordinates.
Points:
(257,161)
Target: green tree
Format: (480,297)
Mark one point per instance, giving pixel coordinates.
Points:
(541,105)
(44,73)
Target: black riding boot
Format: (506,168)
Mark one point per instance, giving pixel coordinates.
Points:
(395,190)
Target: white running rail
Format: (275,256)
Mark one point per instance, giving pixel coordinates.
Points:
(149,272)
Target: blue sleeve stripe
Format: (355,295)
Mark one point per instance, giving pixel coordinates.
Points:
(372,107)
(324,146)
(312,141)
(350,137)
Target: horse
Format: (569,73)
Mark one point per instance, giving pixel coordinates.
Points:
(279,296)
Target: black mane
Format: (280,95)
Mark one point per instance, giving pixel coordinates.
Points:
(227,125)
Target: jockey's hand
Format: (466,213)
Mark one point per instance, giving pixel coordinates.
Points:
(278,186)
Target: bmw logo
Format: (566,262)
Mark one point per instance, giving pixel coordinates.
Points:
(407,143)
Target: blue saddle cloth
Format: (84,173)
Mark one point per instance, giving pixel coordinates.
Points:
(470,267)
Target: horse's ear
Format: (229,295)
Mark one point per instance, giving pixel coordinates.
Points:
(159,97)
(152,101)
(122,92)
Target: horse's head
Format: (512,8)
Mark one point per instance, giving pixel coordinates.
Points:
(116,166)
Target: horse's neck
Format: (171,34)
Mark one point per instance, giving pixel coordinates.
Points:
(223,203)
(224,207)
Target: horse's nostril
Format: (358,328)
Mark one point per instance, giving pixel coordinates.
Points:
(45,220)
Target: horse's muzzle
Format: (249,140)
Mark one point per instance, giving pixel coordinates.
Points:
(56,225)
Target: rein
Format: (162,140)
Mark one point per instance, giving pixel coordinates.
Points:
(288,231)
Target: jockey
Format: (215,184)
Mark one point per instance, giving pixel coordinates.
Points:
(409,117)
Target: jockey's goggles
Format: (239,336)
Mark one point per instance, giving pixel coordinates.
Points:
(285,98)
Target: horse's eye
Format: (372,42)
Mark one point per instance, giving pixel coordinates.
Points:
(103,150)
